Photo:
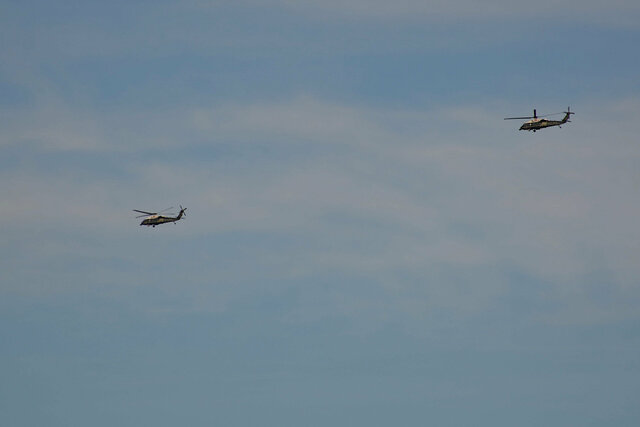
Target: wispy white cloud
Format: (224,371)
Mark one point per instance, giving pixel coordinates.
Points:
(619,12)
(374,191)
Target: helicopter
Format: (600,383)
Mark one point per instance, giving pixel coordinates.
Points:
(154,218)
(537,123)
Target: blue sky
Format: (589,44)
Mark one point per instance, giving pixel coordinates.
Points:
(367,242)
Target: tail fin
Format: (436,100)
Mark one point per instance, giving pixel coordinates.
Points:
(567,115)
(181,214)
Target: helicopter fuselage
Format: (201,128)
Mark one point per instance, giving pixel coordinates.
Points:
(537,124)
(155,219)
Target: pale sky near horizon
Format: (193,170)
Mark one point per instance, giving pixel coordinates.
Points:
(367,241)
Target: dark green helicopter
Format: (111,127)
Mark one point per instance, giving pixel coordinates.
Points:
(537,123)
(154,218)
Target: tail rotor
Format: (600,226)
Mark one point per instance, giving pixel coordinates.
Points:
(568,114)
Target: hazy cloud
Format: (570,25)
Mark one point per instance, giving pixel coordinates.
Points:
(620,12)
(376,191)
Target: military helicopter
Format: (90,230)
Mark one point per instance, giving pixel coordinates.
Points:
(154,218)
(537,123)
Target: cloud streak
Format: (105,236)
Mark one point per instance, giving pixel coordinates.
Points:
(620,12)
(373,191)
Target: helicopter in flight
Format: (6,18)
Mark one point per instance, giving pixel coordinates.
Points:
(538,122)
(154,218)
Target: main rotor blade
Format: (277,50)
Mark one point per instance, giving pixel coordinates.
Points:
(164,210)
(144,212)
(518,118)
